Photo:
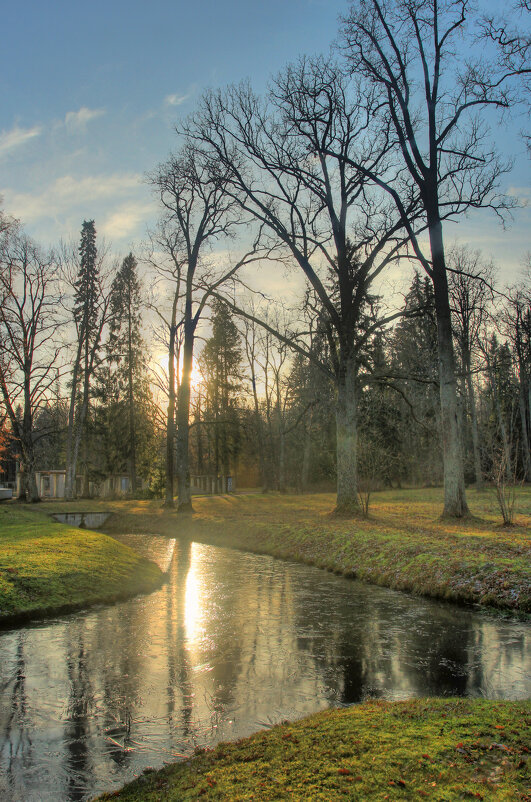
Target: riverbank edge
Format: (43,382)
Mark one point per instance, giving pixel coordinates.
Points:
(436,748)
(129,575)
(352,549)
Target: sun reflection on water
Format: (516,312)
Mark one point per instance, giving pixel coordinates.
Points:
(193,600)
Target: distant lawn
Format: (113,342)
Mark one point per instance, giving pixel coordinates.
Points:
(438,749)
(403,544)
(46,567)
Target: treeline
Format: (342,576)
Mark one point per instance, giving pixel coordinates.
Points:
(269,417)
(74,344)
(74,367)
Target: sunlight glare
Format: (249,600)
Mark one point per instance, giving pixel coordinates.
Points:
(193,608)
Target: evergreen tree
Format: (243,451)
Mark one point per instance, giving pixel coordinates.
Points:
(86,286)
(221,364)
(125,349)
(501,435)
(90,313)
(310,420)
(414,361)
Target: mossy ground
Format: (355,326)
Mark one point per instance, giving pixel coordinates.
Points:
(438,749)
(47,567)
(403,544)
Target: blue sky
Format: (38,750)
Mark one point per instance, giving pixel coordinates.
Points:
(90,93)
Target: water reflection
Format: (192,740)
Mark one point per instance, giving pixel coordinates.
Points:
(82,520)
(232,642)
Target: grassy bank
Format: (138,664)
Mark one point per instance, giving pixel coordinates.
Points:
(47,567)
(423,748)
(403,544)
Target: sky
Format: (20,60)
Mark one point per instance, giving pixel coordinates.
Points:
(91,93)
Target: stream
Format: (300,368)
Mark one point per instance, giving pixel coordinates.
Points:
(232,643)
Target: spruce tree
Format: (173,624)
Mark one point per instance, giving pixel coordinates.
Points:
(125,349)
(221,362)
(89,322)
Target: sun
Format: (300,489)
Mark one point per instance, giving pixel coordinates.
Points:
(196,378)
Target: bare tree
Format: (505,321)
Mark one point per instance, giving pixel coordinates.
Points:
(430,98)
(197,212)
(271,359)
(317,210)
(166,256)
(29,323)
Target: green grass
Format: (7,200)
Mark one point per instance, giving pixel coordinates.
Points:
(438,749)
(47,567)
(402,545)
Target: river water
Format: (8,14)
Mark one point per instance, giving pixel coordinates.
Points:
(232,643)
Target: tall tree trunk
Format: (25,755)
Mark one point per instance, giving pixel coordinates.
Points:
(170,418)
(30,491)
(523,419)
(199,439)
(183,420)
(264,473)
(478,473)
(305,469)
(455,504)
(281,437)
(347,440)
(86,384)
(71,461)
(525,438)
(281,461)
(132,429)
(28,451)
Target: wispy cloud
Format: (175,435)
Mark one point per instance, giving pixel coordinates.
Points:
(175,100)
(67,193)
(125,221)
(77,120)
(519,192)
(17,137)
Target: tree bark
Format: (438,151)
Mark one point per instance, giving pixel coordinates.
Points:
(30,492)
(183,421)
(455,504)
(347,502)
